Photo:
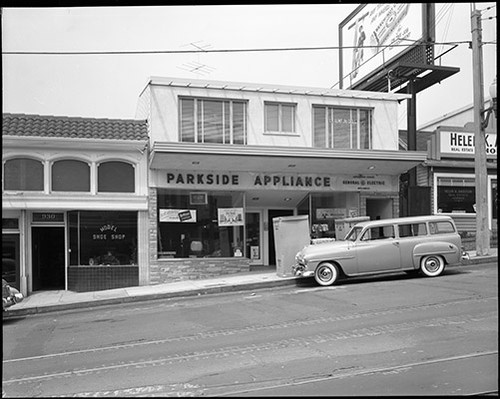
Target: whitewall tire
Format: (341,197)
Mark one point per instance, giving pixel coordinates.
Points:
(432,265)
(326,273)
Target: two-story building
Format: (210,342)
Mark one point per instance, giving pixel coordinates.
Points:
(74,203)
(227,157)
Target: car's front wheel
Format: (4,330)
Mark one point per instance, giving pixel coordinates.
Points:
(432,265)
(326,274)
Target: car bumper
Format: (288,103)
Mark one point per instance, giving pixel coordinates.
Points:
(301,271)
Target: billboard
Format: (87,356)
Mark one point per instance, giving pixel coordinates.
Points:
(374,35)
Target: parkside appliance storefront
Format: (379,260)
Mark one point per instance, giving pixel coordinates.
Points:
(227,158)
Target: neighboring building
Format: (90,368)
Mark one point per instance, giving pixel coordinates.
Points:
(226,158)
(74,202)
(449,170)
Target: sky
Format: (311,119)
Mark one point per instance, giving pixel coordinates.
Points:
(108,86)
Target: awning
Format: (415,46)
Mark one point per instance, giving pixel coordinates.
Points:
(219,157)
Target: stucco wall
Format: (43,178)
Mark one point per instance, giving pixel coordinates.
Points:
(164,122)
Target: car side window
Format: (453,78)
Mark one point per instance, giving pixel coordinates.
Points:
(443,227)
(412,230)
(378,233)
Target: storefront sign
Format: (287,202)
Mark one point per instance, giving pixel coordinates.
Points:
(458,143)
(281,181)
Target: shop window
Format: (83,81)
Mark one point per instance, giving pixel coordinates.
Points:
(200,229)
(327,208)
(456,195)
(102,238)
(23,174)
(342,128)
(115,177)
(70,175)
(212,121)
(279,117)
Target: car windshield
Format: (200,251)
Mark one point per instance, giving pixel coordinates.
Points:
(353,234)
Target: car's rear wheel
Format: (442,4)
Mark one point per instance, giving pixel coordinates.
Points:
(326,274)
(432,265)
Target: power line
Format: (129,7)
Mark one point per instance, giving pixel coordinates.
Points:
(131,52)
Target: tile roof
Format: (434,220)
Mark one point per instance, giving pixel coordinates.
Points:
(73,127)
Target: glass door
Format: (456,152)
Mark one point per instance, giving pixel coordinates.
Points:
(253,248)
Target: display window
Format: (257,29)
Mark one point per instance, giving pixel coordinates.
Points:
(324,208)
(456,195)
(200,224)
(102,238)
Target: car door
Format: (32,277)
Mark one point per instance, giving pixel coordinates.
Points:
(378,250)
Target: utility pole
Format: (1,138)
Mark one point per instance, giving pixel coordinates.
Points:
(481,172)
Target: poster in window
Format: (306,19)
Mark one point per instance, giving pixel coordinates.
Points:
(230,217)
(178,215)
(197,198)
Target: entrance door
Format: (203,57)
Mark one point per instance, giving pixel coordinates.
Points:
(253,237)
(10,259)
(48,258)
(274,213)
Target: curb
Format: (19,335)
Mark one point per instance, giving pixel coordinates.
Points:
(149,297)
(192,292)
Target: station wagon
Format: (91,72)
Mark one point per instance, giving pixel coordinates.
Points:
(424,244)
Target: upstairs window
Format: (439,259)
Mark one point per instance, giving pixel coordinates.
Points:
(212,121)
(23,174)
(115,177)
(70,175)
(279,117)
(342,128)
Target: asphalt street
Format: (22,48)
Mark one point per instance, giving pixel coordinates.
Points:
(386,335)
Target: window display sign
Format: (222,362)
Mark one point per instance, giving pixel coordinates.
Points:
(330,213)
(230,217)
(178,215)
(198,198)
(456,199)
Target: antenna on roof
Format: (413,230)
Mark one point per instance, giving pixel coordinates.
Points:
(197,67)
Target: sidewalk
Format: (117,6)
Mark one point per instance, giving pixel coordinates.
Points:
(49,301)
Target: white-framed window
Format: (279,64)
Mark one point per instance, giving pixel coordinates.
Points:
(455,194)
(23,174)
(204,120)
(342,127)
(279,117)
(70,175)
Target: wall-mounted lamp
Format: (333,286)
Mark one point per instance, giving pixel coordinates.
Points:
(493,106)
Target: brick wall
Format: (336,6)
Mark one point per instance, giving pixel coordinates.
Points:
(169,270)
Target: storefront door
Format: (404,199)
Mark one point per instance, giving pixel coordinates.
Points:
(253,237)
(274,213)
(10,259)
(48,258)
